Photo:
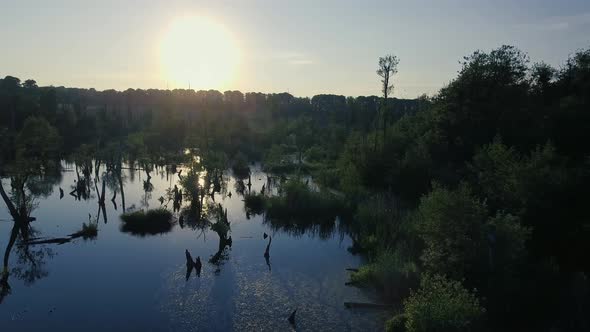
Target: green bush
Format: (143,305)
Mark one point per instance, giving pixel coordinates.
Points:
(451,223)
(499,173)
(509,239)
(327,176)
(315,154)
(441,304)
(396,324)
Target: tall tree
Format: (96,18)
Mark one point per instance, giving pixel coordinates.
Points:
(387,68)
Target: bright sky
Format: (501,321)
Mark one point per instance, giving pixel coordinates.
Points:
(305,47)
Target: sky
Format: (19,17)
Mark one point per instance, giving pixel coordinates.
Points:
(304,47)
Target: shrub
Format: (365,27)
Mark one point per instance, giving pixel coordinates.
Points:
(396,324)
(315,154)
(499,170)
(441,304)
(451,225)
(508,241)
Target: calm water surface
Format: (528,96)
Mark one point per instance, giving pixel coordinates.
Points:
(120,281)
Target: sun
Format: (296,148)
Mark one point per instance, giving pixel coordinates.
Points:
(198,52)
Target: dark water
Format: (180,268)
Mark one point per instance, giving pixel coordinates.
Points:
(123,282)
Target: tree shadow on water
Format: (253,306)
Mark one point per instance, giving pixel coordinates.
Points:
(222,228)
(30,263)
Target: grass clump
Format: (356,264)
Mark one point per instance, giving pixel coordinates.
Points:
(88,231)
(297,202)
(148,222)
(390,273)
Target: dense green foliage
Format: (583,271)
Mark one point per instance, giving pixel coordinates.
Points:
(483,185)
(439,304)
(492,183)
(451,225)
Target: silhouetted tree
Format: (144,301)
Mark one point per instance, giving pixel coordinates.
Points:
(387,68)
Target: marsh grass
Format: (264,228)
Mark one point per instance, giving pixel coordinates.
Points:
(88,231)
(298,203)
(148,222)
(391,273)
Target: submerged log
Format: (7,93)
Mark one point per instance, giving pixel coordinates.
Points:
(60,240)
(267,251)
(189,258)
(190,264)
(198,265)
(291,318)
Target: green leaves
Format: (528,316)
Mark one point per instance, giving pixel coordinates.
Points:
(450,223)
(441,304)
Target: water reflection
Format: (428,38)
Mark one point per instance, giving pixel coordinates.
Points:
(30,265)
(151,222)
(192,265)
(240,295)
(267,251)
(222,228)
(240,187)
(324,230)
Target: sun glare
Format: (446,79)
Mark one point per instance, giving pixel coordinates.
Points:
(199,52)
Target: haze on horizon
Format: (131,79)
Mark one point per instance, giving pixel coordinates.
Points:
(304,47)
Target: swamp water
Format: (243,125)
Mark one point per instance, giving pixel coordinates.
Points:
(121,281)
